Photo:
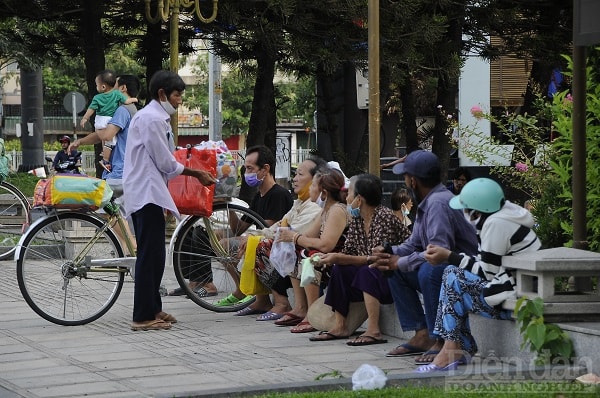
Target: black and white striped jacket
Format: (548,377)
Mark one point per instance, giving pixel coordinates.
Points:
(506,232)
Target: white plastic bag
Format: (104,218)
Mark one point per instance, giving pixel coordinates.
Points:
(283,255)
(307,274)
(368,377)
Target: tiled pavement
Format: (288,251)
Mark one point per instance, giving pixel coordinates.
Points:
(204,354)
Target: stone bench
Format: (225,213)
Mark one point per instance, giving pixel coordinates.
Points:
(536,275)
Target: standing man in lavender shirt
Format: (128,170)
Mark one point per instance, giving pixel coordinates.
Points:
(149,164)
(408,271)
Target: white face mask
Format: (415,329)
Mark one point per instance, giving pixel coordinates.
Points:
(320,202)
(168,107)
(472,222)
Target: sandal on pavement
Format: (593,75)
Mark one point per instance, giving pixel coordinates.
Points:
(229,300)
(154,324)
(405,350)
(202,292)
(163,316)
(326,336)
(301,328)
(435,368)
(269,316)
(177,292)
(289,319)
(249,311)
(365,339)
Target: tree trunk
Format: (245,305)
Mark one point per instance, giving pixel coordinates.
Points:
(262,128)
(409,113)
(447,91)
(32,119)
(93,55)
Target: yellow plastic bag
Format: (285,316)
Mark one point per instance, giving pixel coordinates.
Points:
(249,283)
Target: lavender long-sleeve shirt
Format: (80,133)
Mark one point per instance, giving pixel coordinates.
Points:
(149,160)
(436,223)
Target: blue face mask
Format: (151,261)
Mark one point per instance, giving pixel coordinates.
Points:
(252,180)
(352,211)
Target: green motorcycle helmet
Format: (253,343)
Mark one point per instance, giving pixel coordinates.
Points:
(482,194)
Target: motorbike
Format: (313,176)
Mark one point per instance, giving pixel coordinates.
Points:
(71,166)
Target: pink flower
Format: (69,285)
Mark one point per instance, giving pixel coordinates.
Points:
(477,112)
(522,167)
(569,98)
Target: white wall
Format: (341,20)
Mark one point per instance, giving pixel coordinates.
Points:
(474,89)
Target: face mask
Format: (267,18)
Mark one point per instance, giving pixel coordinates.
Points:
(405,211)
(252,180)
(304,193)
(352,211)
(320,202)
(168,107)
(472,222)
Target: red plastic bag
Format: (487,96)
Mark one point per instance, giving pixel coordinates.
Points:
(189,195)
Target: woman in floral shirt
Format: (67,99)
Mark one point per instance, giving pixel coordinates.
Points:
(352,280)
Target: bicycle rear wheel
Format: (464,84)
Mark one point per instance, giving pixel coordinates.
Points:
(56,271)
(201,254)
(15,217)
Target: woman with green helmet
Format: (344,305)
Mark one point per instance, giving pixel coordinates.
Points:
(481,283)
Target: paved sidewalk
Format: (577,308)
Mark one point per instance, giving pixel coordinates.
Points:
(204,354)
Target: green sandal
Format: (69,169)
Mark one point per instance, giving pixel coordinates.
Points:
(229,300)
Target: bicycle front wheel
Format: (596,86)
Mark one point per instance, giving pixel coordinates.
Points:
(60,270)
(15,217)
(203,253)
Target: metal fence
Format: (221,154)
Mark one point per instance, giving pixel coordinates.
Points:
(88,160)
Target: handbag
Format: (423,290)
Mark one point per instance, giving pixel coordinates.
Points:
(189,195)
(283,255)
(249,282)
(308,272)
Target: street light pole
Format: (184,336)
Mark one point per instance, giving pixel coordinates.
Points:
(168,10)
(374,107)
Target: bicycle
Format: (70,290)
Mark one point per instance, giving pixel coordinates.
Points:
(15,218)
(16,211)
(199,253)
(71,266)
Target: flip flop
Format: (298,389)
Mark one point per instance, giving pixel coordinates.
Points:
(300,329)
(154,324)
(269,316)
(163,316)
(292,320)
(360,340)
(328,337)
(409,351)
(434,368)
(177,292)
(421,361)
(249,311)
(202,292)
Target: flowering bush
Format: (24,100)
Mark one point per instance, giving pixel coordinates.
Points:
(529,159)
(543,171)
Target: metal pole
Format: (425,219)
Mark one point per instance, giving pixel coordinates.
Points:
(374,108)
(174,59)
(214,98)
(579,150)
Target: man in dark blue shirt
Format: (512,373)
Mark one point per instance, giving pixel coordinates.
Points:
(435,223)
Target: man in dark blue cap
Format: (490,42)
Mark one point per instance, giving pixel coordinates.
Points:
(409,273)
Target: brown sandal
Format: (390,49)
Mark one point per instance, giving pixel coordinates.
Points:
(163,316)
(154,324)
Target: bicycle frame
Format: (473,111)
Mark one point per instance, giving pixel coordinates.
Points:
(122,264)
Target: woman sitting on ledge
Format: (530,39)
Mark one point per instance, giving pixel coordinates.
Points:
(480,284)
